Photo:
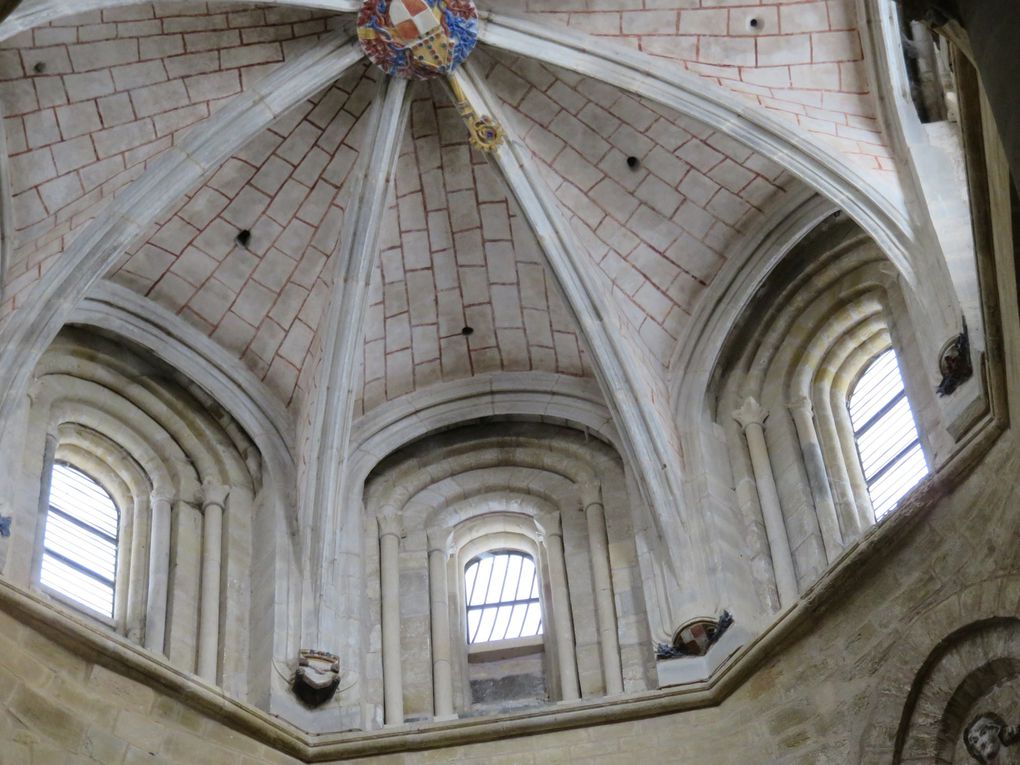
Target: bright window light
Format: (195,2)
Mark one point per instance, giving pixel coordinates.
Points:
(80,544)
(503,600)
(886,434)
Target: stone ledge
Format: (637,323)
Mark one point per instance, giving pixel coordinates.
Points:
(117,654)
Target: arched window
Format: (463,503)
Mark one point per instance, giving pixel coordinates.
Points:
(502,593)
(79,560)
(886,434)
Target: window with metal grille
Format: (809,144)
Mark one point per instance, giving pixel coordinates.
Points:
(79,558)
(887,440)
(502,595)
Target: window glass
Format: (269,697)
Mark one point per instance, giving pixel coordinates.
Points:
(502,594)
(80,542)
(886,434)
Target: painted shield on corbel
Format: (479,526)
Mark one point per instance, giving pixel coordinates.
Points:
(418,39)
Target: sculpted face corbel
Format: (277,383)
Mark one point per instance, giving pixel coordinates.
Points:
(987,735)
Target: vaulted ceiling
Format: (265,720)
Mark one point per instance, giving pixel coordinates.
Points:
(142,138)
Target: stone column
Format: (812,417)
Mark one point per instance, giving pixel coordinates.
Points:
(159,571)
(839,476)
(602,579)
(439,619)
(751,417)
(814,464)
(389,573)
(561,614)
(212,552)
(852,460)
(135,618)
(236,596)
(45,484)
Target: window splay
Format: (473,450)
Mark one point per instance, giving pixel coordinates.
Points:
(886,435)
(503,601)
(80,543)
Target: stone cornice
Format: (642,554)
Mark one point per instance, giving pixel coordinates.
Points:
(94,643)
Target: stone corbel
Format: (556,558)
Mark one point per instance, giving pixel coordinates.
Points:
(317,677)
(987,735)
(955,363)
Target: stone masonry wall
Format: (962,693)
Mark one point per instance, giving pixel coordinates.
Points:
(832,693)
(835,693)
(57,707)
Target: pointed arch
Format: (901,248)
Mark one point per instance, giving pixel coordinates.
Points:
(29,330)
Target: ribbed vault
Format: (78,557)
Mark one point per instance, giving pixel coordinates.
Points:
(386,257)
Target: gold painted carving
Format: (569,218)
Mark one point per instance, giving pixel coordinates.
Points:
(484,132)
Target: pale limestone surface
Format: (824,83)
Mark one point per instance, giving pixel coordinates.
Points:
(423,353)
(828,696)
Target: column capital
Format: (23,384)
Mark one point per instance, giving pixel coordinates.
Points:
(161,494)
(438,540)
(750,413)
(214,494)
(550,524)
(390,525)
(591,493)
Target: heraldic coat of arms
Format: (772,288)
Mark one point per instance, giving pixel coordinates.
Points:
(418,39)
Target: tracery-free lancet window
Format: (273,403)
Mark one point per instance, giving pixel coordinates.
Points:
(502,593)
(886,434)
(79,560)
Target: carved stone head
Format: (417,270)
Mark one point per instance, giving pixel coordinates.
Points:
(983,737)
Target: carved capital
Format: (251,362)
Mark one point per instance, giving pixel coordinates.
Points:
(439,540)
(214,494)
(591,494)
(750,413)
(161,494)
(390,525)
(550,524)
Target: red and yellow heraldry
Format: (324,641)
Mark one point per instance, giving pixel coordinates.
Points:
(418,39)
(423,39)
